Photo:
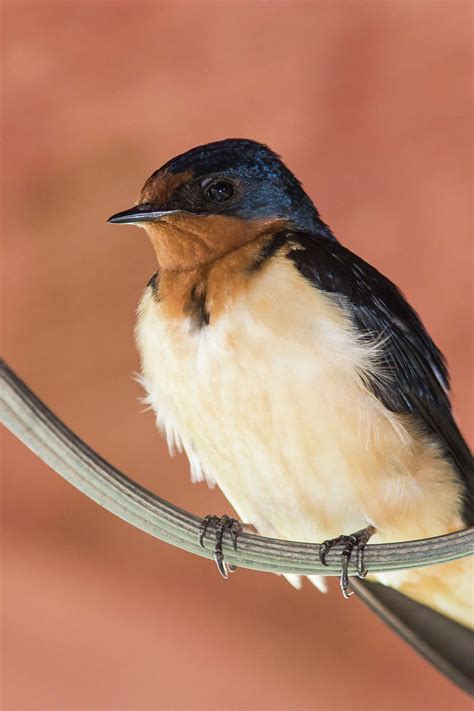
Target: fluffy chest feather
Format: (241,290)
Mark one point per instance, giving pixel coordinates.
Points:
(269,402)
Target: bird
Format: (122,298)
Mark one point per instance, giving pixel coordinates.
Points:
(295,375)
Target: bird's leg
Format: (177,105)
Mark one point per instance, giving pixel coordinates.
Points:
(356,540)
(221,524)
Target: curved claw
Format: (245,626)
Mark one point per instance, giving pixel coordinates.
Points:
(222,523)
(361,569)
(356,540)
(326,546)
(235,531)
(345,559)
(221,566)
(203,526)
(323,551)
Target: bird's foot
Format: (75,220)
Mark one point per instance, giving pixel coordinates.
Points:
(221,524)
(357,540)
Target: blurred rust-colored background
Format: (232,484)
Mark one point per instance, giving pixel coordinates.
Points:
(370,104)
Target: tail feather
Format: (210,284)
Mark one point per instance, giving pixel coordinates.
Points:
(448,645)
(446,588)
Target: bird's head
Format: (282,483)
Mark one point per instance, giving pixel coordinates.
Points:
(214,198)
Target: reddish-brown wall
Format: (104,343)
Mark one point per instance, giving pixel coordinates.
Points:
(369,104)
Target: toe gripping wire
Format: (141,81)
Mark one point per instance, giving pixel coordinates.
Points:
(357,540)
(221,524)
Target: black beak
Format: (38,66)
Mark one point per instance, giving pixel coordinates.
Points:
(139,213)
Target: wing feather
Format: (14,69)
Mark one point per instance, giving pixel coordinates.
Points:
(418,380)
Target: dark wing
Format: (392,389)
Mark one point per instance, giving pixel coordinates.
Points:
(418,382)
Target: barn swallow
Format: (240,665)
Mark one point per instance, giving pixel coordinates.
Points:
(293,373)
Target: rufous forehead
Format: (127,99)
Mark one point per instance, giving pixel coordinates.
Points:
(160,187)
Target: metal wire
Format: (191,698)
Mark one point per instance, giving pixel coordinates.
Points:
(40,430)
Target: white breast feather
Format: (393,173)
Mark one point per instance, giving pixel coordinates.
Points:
(269,402)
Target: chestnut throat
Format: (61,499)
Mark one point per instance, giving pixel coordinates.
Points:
(205,262)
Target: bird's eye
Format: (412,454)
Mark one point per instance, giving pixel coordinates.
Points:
(219,191)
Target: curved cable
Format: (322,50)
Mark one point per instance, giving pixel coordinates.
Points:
(40,430)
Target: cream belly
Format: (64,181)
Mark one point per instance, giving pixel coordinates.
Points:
(269,402)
